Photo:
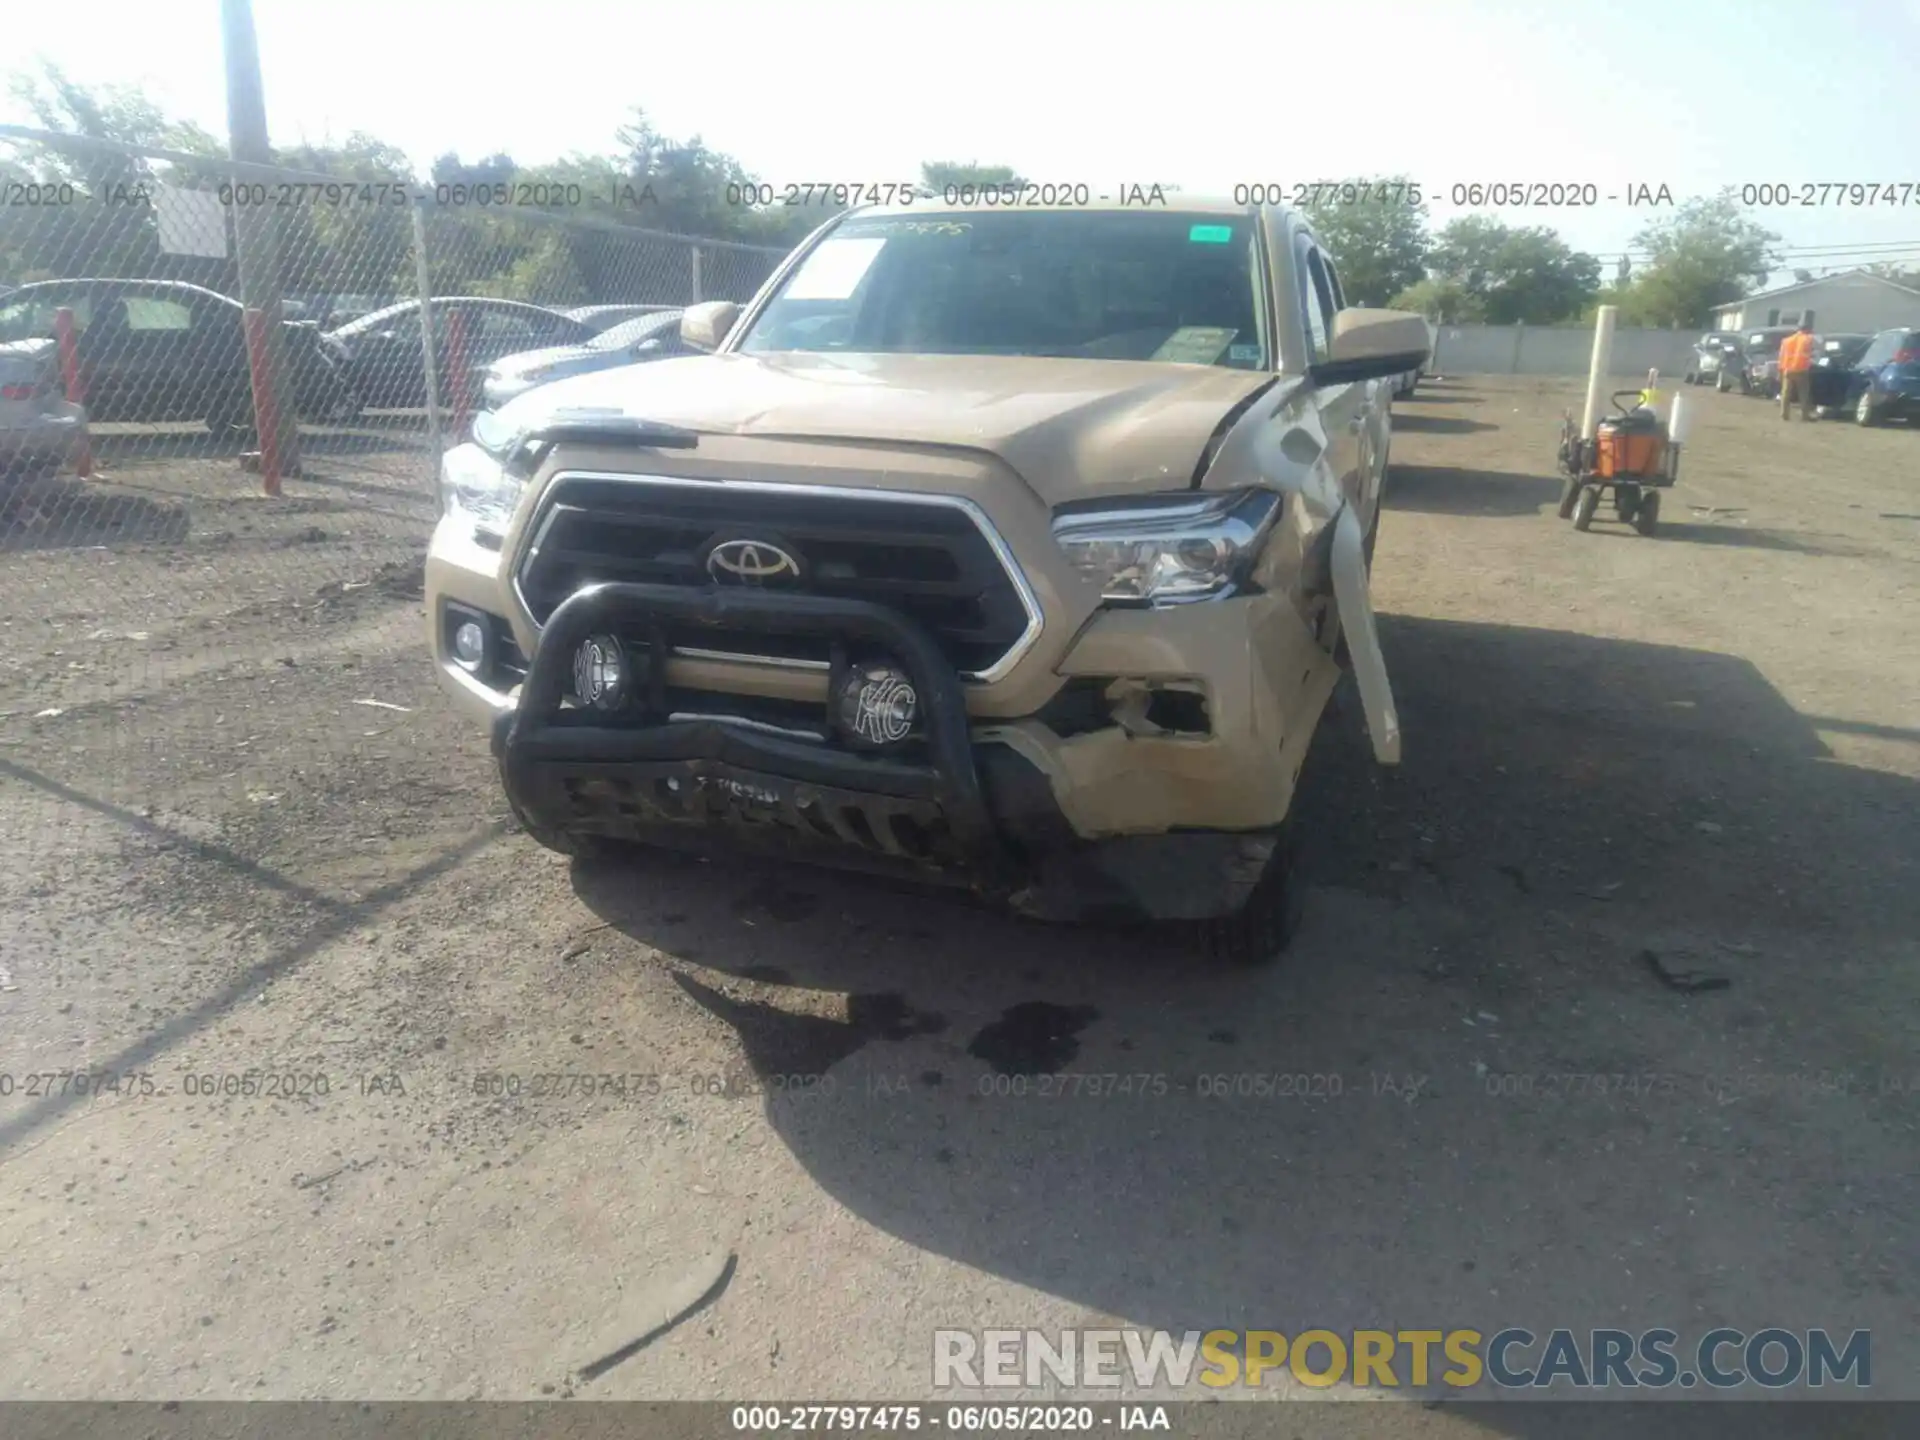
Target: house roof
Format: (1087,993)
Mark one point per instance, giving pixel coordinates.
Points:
(1857,272)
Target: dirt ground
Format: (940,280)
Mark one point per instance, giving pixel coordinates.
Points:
(1625,758)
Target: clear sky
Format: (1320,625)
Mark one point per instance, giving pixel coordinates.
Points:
(1694,94)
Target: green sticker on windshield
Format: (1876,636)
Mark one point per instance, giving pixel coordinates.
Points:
(1211,234)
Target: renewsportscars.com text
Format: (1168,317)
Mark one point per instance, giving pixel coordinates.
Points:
(1514,1358)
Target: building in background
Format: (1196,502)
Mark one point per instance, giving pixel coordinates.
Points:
(1855,302)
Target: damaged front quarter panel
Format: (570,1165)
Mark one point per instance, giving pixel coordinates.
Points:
(1317,557)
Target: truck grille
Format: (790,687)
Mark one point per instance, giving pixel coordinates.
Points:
(932,559)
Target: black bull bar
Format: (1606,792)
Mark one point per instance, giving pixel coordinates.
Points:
(699,771)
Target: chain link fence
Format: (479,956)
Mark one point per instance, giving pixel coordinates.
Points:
(202,508)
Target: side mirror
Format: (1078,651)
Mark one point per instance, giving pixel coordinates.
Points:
(1373,344)
(705,325)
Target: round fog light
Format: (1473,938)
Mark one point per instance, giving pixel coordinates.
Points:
(601,673)
(469,645)
(876,705)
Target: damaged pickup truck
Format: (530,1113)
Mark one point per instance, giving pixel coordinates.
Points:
(1017,548)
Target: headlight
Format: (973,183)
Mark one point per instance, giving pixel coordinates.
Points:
(478,485)
(1167,547)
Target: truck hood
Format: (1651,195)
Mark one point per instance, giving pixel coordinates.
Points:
(1069,427)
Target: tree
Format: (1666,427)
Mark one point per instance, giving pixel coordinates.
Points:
(1517,276)
(1444,301)
(1378,243)
(936,175)
(1706,256)
(101,232)
(1898,273)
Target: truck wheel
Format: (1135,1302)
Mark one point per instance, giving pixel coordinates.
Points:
(1569,495)
(563,842)
(1266,924)
(1863,411)
(1646,515)
(1584,507)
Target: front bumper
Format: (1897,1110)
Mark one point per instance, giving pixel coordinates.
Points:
(978,806)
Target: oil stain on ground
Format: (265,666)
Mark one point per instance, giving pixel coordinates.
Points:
(1033,1037)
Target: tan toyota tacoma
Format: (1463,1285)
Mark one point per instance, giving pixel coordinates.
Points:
(1013,547)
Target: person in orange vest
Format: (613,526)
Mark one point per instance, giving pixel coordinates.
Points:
(1796,372)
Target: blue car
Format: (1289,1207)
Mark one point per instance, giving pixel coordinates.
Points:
(1885,384)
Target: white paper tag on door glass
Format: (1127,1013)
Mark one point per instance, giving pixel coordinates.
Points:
(834,270)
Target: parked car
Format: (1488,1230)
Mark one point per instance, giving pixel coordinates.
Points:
(650,337)
(1885,381)
(40,429)
(1714,354)
(155,350)
(387,357)
(1403,386)
(604,317)
(1832,370)
(1760,352)
(1016,548)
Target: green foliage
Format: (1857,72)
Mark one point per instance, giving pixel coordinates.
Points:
(1707,255)
(1378,246)
(936,175)
(1447,302)
(1511,276)
(650,183)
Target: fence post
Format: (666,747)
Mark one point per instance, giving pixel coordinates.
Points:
(459,379)
(424,284)
(266,406)
(76,391)
(693,255)
(256,234)
(1519,334)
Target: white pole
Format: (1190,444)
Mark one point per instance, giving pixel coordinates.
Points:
(1597,372)
(1677,417)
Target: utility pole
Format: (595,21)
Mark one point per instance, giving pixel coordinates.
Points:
(255,236)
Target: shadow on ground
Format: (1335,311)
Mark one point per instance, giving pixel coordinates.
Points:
(1417,424)
(56,512)
(1451,490)
(1319,1143)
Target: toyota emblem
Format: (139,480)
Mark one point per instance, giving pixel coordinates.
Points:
(751,562)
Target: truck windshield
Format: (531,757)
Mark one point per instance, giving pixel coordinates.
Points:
(1102,284)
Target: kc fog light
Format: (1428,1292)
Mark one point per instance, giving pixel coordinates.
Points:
(602,674)
(876,705)
(470,646)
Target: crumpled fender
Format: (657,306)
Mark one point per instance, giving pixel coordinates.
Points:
(1352,590)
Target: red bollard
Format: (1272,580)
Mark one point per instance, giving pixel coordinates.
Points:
(459,400)
(69,348)
(266,414)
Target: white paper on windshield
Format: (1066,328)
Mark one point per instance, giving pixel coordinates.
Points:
(834,270)
(1194,345)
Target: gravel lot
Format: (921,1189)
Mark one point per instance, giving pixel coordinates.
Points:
(1625,756)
